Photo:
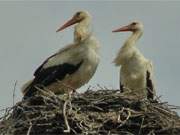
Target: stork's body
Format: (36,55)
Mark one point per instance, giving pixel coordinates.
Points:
(136,71)
(72,66)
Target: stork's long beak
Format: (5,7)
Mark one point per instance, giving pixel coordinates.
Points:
(124,28)
(67,24)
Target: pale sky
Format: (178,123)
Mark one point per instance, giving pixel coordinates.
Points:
(28,37)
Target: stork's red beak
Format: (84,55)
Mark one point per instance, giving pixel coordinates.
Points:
(67,24)
(125,28)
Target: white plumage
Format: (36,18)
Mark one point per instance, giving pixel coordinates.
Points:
(73,65)
(136,73)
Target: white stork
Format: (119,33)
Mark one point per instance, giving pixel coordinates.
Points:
(73,65)
(136,71)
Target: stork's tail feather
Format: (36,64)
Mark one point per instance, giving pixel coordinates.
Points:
(29,89)
(26,87)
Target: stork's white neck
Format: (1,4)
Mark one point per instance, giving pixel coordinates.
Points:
(133,38)
(82,30)
(127,49)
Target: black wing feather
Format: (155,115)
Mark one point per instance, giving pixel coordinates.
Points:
(44,77)
(51,74)
(38,70)
(149,85)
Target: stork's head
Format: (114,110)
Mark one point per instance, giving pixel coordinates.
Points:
(77,18)
(133,27)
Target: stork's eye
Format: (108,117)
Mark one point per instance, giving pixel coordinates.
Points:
(78,13)
(134,23)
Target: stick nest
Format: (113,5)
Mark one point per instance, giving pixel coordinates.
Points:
(92,112)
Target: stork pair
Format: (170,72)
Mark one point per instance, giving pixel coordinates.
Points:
(73,66)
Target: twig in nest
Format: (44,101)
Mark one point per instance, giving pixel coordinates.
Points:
(115,117)
(29,130)
(64,112)
(151,132)
(129,114)
(65,117)
(141,126)
(41,90)
(119,116)
(152,92)
(122,122)
(45,91)
(7,113)
(99,86)
(82,125)
(174,107)
(14,89)
(164,110)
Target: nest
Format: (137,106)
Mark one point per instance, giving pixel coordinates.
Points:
(93,112)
